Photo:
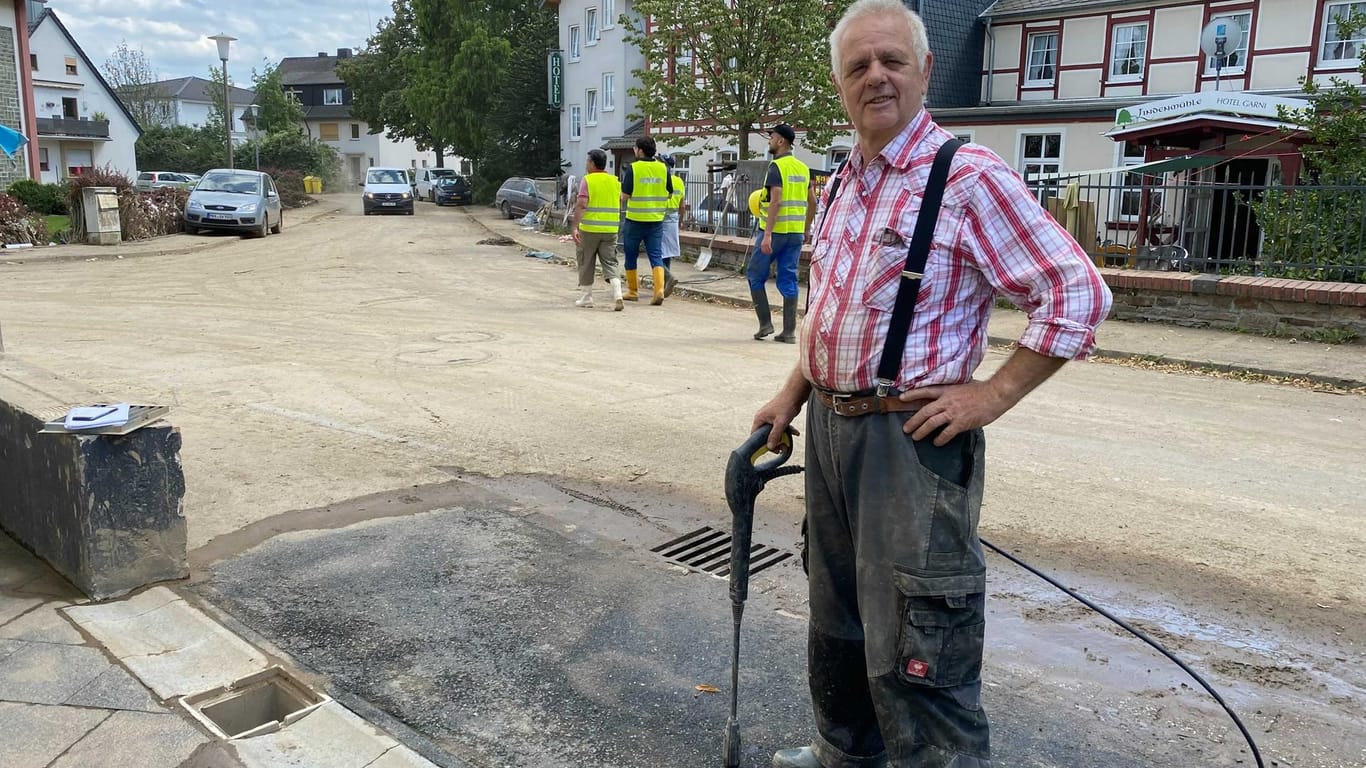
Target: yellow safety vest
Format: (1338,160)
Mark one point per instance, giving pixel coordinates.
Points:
(796,181)
(649,191)
(603,213)
(675,197)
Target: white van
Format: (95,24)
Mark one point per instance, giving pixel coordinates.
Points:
(425,186)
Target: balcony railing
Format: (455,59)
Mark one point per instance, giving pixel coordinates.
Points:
(70,126)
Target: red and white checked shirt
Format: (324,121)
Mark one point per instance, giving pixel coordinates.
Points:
(992,238)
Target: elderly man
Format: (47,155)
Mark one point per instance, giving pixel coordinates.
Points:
(895,448)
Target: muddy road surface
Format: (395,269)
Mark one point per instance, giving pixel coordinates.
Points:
(336,373)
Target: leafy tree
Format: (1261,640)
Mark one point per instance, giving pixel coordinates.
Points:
(131,75)
(277,112)
(738,65)
(290,150)
(379,75)
(1315,232)
(180,148)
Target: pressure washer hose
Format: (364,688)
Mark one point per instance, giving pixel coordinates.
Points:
(1256,755)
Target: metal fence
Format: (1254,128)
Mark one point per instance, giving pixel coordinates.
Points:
(1204,221)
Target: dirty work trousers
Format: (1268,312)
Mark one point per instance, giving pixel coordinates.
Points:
(898,588)
(598,248)
(651,233)
(787,249)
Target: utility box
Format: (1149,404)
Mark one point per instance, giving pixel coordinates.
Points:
(100,207)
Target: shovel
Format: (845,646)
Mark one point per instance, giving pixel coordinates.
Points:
(744,480)
(704,253)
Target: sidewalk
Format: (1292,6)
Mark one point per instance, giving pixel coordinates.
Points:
(1336,365)
(166,245)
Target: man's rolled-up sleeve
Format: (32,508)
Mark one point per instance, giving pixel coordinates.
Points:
(1031,260)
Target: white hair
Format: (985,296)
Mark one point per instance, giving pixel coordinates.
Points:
(920,44)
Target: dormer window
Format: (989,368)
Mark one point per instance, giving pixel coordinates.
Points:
(332,96)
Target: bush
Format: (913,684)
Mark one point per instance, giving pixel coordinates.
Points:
(18,224)
(290,184)
(141,216)
(47,199)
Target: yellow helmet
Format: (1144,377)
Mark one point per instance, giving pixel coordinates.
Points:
(755,201)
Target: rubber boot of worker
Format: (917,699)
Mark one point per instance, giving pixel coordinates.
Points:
(804,757)
(760,299)
(669,282)
(789,334)
(658,274)
(617,306)
(585,297)
(632,285)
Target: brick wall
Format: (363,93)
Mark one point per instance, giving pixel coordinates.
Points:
(17,168)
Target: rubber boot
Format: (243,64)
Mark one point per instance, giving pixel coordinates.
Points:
(658,274)
(669,281)
(789,334)
(617,306)
(760,299)
(632,285)
(804,757)
(585,297)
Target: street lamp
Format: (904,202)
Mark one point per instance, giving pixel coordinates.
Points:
(255,111)
(223,42)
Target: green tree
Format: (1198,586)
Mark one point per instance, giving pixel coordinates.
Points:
(276,111)
(179,148)
(1314,232)
(737,65)
(379,76)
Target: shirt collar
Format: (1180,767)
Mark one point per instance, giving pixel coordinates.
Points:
(901,148)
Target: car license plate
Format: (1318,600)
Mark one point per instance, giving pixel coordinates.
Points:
(391,205)
(221,216)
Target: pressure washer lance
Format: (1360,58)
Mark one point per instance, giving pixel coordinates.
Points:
(745,478)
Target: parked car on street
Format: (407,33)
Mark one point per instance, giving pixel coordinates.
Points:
(715,214)
(150,180)
(387,191)
(453,190)
(519,196)
(424,187)
(237,200)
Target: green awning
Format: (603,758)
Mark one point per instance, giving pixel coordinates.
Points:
(1155,168)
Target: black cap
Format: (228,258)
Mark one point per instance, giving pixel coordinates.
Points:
(784,130)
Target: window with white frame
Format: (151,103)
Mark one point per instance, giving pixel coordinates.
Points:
(1339,45)
(609,91)
(837,157)
(1130,197)
(1129,46)
(1043,58)
(609,14)
(683,65)
(590,23)
(590,98)
(332,96)
(575,122)
(1237,27)
(967,137)
(1041,153)
(727,156)
(574,42)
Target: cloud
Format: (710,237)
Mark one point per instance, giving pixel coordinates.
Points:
(173,34)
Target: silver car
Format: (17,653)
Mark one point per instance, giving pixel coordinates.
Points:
(150,180)
(241,201)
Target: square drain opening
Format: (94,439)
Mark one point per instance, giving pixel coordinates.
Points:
(708,550)
(259,703)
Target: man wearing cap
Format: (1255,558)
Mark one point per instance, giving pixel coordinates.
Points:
(597,214)
(788,182)
(645,190)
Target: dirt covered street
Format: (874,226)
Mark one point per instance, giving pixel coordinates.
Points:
(354,355)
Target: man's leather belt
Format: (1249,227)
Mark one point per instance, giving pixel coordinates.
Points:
(863,405)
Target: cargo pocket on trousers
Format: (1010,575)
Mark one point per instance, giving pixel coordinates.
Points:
(952,535)
(943,620)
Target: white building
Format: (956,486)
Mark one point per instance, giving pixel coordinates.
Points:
(597,71)
(326,100)
(188,101)
(81,122)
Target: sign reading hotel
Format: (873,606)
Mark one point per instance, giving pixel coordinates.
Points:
(554,72)
(1232,102)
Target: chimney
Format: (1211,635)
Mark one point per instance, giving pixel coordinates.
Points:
(343,53)
(322,54)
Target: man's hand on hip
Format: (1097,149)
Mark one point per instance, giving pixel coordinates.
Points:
(957,408)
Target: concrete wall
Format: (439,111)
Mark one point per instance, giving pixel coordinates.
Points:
(103,511)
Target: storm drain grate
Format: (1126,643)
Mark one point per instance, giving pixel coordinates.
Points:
(708,550)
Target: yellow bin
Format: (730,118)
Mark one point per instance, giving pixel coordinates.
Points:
(313,185)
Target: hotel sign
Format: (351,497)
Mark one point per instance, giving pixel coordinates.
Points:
(1232,102)
(554,71)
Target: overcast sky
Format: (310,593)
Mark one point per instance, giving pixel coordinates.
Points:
(173,33)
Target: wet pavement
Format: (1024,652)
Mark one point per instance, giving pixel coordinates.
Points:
(507,634)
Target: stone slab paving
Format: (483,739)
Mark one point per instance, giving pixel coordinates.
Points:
(43,624)
(158,740)
(115,689)
(49,673)
(172,647)
(330,736)
(36,734)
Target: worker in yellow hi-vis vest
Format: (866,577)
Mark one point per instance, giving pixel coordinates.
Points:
(645,190)
(790,206)
(597,215)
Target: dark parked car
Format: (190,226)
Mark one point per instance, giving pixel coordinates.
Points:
(519,196)
(243,201)
(454,190)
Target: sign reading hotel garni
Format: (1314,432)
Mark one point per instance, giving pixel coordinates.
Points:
(554,72)
(1233,102)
